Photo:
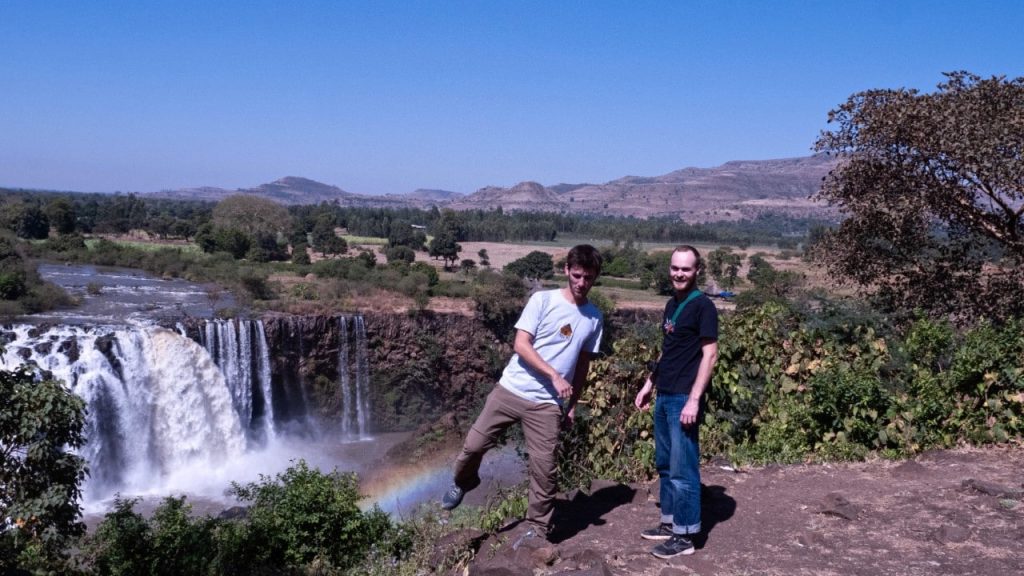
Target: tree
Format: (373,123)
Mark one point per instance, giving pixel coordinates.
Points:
(40,475)
(448,231)
(325,239)
(932,186)
(768,283)
(299,254)
(401,233)
(61,213)
(499,299)
(12,271)
(27,221)
(536,265)
(724,265)
(232,241)
(445,247)
(400,254)
(252,215)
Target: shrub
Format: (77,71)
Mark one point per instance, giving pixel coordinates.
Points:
(499,300)
(300,254)
(303,515)
(400,254)
(66,243)
(611,438)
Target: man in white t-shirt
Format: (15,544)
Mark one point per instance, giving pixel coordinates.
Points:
(556,335)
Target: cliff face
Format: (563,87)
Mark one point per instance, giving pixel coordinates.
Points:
(420,366)
(425,370)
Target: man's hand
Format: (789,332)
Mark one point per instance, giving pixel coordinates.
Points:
(562,386)
(688,417)
(643,397)
(570,418)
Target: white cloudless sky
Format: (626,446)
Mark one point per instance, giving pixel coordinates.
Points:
(385,97)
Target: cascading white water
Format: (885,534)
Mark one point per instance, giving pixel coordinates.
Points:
(246,367)
(362,377)
(355,398)
(166,414)
(156,401)
(265,386)
(343,378)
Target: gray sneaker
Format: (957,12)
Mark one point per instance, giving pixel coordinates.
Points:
(677,545)
(661,532)
(452,498)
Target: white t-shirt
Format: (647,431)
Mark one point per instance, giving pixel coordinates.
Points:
(561,330)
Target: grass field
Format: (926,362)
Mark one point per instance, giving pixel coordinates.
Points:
(364,240)
(147,245)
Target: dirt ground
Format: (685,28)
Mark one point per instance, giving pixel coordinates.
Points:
(945,512)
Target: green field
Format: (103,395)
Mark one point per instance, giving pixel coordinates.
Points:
(90,243)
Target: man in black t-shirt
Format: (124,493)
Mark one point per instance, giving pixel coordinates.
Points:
(688,353)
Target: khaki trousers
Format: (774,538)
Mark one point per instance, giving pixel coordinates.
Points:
(540,423)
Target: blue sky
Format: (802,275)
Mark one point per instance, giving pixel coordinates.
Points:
(386,97)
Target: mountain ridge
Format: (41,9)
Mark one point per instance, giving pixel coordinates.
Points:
(733,190)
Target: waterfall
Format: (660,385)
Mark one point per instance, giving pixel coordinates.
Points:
(264,380)
(156,401)
(362,377)
(353,380)
(245,363)
(343,378)
(166,412)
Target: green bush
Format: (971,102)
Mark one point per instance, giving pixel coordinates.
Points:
(400,254)
(301,521)
(66,243)
(537,265)
(610,438)
(303,515)
(499,299)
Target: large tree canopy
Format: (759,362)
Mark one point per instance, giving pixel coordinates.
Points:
(252,215)
(40,476)
(932,186)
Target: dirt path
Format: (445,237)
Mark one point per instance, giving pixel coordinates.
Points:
(946,512)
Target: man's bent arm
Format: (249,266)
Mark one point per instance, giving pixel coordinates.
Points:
(524,348)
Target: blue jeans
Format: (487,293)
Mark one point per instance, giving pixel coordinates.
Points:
(677,458)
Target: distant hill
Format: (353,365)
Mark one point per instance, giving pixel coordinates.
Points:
(522,196)
(287,190)
(733,190)
(295,190)
(730,191)
(434,195)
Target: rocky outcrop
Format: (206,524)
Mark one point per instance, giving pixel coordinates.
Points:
(422,366)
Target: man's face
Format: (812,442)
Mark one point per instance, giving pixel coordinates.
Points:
(683,270)
(581,281)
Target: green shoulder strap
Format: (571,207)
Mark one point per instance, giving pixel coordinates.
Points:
(692,295)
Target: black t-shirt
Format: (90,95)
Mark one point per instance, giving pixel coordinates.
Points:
(681,348)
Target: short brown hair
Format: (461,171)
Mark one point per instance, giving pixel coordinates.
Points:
(585,256)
